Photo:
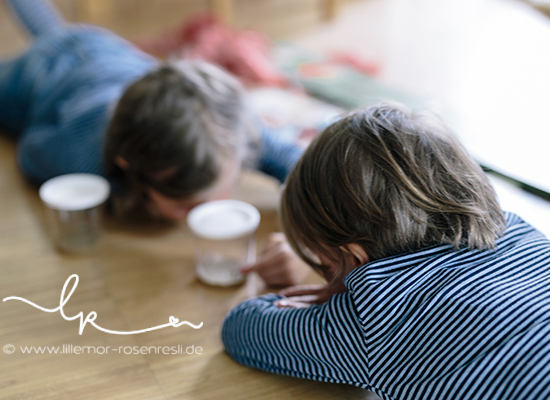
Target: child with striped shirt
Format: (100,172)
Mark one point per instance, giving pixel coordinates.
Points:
(433,292)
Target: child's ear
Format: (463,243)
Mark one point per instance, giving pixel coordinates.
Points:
(357,251)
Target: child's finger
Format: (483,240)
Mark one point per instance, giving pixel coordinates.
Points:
(301,290)
(266,261)
(279,278)
(285,303)
(262,263)
(275,238)
(309,298)
(258,267)
(271,248)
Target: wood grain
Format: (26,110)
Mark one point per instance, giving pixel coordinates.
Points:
(136,278)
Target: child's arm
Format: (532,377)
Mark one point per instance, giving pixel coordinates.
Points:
(37,16)
(277,157)
(320,342)
(72,144)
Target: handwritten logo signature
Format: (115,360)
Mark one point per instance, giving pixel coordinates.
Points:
(90,318)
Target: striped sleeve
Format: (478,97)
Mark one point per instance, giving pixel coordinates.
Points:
(323,343)
(438,323)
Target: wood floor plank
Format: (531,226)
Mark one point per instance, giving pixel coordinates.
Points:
(136,278)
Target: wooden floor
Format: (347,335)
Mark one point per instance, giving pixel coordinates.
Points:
(136,279)
(140,276)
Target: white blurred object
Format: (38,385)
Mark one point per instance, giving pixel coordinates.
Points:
(225,240)
(487,61)
(73,205)
(532,209)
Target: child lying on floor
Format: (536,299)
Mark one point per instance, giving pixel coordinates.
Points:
(434,292)
(168,136)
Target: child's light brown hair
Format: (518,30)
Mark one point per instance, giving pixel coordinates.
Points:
(392,182)
(177,127)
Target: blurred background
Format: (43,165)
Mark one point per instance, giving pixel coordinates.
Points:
(482,65)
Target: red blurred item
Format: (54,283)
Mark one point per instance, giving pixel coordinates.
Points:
(243,53)
(362,65)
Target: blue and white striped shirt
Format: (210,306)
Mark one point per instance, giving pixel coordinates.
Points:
(438,323)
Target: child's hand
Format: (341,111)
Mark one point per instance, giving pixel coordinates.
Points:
(305,295)
(278,265)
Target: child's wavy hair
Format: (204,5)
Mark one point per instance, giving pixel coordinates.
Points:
(392,182)
(176,128)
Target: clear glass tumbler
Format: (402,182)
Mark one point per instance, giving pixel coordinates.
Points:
(73,204)
(224,233)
